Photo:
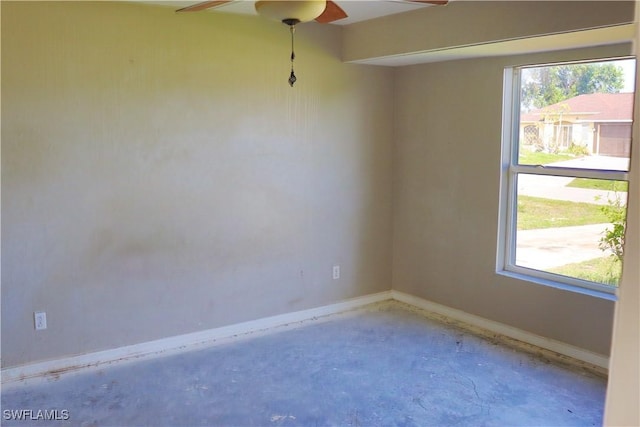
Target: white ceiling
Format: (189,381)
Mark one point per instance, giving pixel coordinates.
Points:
(358,10)
(577,39)
(361,10)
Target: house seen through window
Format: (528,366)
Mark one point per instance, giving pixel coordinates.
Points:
(566,152)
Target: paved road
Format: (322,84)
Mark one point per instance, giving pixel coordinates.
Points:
(553,187)
(553,247)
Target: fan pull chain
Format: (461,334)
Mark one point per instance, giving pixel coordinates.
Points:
(292,77)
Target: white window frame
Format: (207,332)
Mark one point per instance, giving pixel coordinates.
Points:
(509,171)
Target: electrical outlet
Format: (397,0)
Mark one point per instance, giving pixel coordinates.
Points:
(40,320)
(336,272)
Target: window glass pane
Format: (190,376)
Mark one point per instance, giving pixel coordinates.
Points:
(577,115)
(575,120)
(571,226)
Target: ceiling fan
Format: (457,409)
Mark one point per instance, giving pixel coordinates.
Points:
(328,11)
(293,12)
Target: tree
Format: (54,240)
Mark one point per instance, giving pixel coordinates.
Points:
(544,86)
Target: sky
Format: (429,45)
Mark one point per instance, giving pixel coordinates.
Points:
(629,74)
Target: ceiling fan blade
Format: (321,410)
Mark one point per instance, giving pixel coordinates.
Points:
(332,12)
(434,2)
(204,5)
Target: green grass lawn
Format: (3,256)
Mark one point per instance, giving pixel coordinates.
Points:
(600,270)
(536,212)
(599,184)
(539,158)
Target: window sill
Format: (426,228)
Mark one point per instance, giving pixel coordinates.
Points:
(559,285)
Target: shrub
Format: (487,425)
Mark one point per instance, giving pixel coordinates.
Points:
(613,239)
(578,149)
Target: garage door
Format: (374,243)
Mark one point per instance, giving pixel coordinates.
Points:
(615,139)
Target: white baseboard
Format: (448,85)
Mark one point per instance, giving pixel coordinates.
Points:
(162,347)
(525,337)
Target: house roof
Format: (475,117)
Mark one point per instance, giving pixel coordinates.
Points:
(593,107)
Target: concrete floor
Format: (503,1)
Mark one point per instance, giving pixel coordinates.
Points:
(382,366)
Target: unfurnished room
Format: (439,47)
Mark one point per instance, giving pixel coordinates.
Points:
(320,213)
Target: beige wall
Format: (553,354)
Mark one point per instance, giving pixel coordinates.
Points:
(160,177)
(623,392)
(445,199)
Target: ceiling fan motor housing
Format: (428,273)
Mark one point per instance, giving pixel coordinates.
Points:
(291,10)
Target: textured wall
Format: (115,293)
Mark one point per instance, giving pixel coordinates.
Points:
(623,391)
(160,177)
(446,187)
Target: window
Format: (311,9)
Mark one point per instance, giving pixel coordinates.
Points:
(565,162)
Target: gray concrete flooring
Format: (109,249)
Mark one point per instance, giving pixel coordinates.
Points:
(385,365)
